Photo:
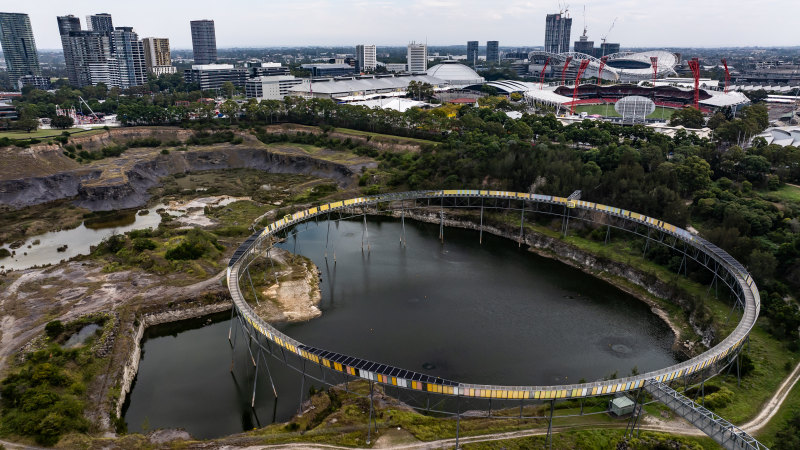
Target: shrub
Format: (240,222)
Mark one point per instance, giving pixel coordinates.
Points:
(142,244)
(719,399)
(54,328)
(185,250)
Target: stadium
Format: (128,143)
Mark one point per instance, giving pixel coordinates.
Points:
(631,74)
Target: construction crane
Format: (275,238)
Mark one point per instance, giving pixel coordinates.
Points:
(584,20)
(609,29)
(87,105)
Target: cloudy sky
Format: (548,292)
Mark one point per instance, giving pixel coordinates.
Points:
(262,23)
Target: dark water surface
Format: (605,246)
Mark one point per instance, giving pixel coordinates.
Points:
(490,313)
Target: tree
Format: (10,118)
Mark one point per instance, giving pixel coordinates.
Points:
(62,122)
(762,265)
(687,117)
(230,108)
(228,89)
(27,125)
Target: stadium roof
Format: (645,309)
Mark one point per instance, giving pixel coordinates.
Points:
(783,136)
(509,86)
(455,74)
(344,87)
(546,96)
(397,104)
(720,99)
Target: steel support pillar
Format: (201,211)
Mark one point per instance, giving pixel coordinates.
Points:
(458,419)
(550,424)
(252,286)
(255,379)
(369,422)
(403,223)
(327,235)
(441,222)
(480,237)
(522,225)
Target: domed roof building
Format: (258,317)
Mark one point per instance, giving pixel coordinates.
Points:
(456,74)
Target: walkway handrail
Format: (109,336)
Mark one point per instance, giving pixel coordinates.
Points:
(394,376)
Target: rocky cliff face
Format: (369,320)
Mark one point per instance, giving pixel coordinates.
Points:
(154,318)
(126,185)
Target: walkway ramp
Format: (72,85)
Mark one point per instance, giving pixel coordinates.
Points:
(723,432)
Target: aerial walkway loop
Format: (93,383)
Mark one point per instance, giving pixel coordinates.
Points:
(725,268)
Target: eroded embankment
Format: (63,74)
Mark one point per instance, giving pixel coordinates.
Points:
(188,310)
(125,186)
(42,173)
(622,276)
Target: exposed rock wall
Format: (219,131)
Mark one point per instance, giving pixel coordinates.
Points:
(99,191)
(167,315)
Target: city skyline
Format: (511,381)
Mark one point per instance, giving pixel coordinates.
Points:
(514,23)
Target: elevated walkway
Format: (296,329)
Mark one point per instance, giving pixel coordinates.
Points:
(720,430)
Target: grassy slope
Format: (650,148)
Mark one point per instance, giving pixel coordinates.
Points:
(41,134)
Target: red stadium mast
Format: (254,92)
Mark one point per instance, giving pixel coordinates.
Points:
(694,66)
(727,74)
(654,64)
(541,78)
(564,70)
(581,69)
(600,70)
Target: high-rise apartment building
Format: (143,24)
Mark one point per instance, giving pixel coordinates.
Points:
(112,56)
(492,52)
(66,24)
(366,58)
(19,48)
(472,52)
(129,56)
(607,48)
(204,42)
(156,55)
(557,32)
(417,57)
(100,22)
(584,45)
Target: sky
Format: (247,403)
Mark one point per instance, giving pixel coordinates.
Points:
(271,23)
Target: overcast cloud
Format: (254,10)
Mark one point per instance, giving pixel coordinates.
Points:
(266,23)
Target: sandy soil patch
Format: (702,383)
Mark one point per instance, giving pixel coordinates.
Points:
(194,210)
(296,296)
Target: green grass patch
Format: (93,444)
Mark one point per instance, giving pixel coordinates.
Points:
(786,194)
(384,137)
(43,134)
(337,156)
(599,440)
(790,409)
(609,111)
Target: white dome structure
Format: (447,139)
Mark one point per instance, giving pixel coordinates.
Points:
(456,74)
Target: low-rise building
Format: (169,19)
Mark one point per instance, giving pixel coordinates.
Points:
(396,67)
(271,87)
(257,68)
(36,81)
(329,70)
(8,111)
(211,76)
